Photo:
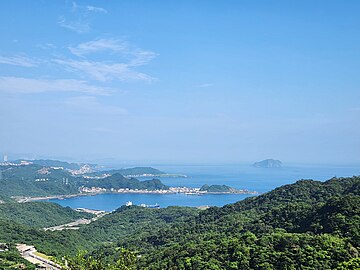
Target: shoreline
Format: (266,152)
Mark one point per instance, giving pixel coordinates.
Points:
(44,198)
(158,192)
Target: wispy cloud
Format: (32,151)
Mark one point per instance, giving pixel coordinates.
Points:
(77,7)
(99,45)
(90,104)
(120,67)
(28,86)
(79,19)
(19,60)
(96,9)
(136,56)
(105,72)
(80,26)
(141,57)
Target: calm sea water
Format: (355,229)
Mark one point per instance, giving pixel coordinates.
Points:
(237,176)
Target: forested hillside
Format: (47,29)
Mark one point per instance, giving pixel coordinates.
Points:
(306,225)
(36,180)
(118,181)
(40,214)
(11,259)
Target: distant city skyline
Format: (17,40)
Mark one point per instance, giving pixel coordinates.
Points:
(181,82)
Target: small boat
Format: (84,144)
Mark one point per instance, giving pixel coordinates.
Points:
(150,206)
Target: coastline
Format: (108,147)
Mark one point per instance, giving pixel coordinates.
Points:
(20,199)
(170,175)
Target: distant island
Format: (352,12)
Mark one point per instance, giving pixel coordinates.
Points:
(268,163)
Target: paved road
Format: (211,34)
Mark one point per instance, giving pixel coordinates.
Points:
(49,265)
(28,253)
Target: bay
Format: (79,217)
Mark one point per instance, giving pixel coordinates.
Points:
(237,176)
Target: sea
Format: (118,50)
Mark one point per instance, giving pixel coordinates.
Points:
(238,176)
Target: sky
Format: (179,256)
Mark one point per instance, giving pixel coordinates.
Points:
(181,81)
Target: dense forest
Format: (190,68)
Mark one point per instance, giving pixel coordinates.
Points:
(11,259)
(36,180)
(306,225)
(40,214)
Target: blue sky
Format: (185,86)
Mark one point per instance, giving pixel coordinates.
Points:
(181,81)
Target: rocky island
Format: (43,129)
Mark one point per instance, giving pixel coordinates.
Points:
(268,163)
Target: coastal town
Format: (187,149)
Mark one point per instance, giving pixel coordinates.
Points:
(91,191)
(171,190)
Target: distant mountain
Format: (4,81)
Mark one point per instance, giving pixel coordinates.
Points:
(118,181)
(268,163)
(135,172)
(54,163)
(140,171)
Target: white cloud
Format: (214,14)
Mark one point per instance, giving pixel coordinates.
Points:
(141,57)
(96,9)
(120,67)
(105,71)
(28,86)
(100,45)
(90,104)
(76,7)
(79,19)
(136,56)
(80,26)
(19,60)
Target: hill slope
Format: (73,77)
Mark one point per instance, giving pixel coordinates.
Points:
(118,181)
(36,180)
(39,214)
(306,225)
